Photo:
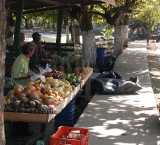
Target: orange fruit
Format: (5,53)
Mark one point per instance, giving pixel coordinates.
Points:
(49,92)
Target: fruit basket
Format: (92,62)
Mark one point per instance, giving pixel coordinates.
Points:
(61,136)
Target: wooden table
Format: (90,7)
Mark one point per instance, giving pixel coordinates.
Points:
(49,118)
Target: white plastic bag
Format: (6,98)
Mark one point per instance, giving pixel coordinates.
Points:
(40,75)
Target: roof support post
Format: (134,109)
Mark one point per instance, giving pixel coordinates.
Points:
(59,27)
(19,14)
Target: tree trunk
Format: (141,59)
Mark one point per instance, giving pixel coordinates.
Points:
(89,47)
(2,66)
(118,39)
(148,34)
(75,34)
(125,44)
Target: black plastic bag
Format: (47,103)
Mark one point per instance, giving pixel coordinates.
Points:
(107,64)
(110,74)
(115,86)
(105,74)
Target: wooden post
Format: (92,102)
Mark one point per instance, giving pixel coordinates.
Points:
(59,27)
(16,43)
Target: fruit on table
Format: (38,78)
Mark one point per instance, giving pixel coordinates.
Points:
(29,83)
(8,101)
(33,96)
(15,104)
(18,89)
(26,91)
(10,93)
(73,78)
(55,74)
(49,101)
(44,90)
(20,95)
(39,95)
(32,104)
(44,96)
(31,88)
(24,100)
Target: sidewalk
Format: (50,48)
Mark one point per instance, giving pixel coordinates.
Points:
(125,119)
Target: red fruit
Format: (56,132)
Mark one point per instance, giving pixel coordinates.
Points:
(54,70)
(32,88)
(26,91)
(39,93)
(34,92)
(17,90)
(49,101)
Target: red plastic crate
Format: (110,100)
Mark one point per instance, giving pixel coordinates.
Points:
(56,139)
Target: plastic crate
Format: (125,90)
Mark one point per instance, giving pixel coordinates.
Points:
(57,139)
(66,115)
(69,108)
(67,111)
(71,103)
(64,122)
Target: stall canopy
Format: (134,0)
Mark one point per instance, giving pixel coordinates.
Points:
(36,4)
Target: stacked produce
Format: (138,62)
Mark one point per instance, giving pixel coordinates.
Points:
(70,64)
(41,96)
(38,97)
(55,74)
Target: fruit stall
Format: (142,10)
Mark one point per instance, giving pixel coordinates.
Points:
(42,98)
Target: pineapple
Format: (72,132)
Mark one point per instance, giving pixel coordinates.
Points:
(77,67)
(61,62)
(82,64)
(68,66)
(87,65)
(54,61)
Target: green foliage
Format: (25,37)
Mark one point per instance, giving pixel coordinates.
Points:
(108,31)
(148,12)
(48,16)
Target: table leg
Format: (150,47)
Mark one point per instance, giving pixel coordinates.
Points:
(87,90)
(49,131)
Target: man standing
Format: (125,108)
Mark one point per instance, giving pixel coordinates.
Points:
(37,41)
(21,72)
